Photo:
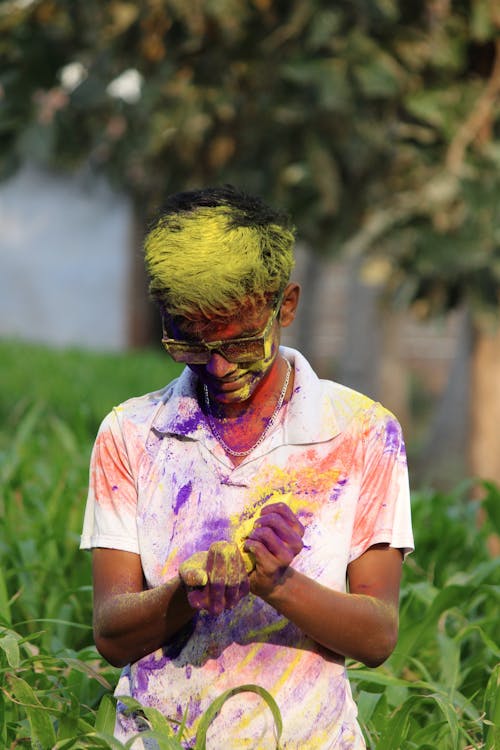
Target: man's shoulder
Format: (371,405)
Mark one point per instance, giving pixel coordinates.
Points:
(351,406)
(326,408)
(140,410)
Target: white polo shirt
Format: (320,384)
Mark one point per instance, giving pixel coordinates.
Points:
(161,486)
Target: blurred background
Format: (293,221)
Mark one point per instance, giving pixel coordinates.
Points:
(375,123)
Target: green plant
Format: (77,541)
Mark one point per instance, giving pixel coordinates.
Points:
(440,688)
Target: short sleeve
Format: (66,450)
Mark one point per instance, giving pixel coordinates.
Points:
(383,513)
(110,513)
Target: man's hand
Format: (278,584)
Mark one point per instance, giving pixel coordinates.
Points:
(274,541)
(215,580)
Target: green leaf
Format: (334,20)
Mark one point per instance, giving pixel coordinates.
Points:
(396,728)
(491,503)
(386,679)
(158,723)
(327,77)
(482,23)
(449,660)
(5,615)
(3,719)
(42,732)
(87,669)
(217,704)
(490,644)
(451,717)
(161,742)
(491,730)
(106,715)
(90,740)
(410,639)
(9,644)
(21,438)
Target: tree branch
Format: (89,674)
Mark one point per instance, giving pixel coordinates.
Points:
(477,119)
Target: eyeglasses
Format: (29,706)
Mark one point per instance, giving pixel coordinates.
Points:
(249,349)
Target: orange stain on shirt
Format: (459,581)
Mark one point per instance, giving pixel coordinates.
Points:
(110,478)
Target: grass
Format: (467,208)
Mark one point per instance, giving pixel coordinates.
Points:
(439,690)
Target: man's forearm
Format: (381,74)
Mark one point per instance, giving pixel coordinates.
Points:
(131,625)
(354,625)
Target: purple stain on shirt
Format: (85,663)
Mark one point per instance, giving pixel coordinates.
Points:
(182,496)
(337,490)
(145,667)
(214,530)
(188,424)
(392,437)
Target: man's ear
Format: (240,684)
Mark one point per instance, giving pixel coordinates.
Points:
(289,304)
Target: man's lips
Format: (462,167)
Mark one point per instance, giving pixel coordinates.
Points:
(227,385)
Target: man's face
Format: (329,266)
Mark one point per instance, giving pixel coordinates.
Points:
(231,382)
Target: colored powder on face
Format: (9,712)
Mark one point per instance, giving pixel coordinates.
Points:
(182,496)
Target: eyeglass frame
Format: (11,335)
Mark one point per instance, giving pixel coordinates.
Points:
(218,346)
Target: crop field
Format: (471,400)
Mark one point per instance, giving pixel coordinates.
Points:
(440,690)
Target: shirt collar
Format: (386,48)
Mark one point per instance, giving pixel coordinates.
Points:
(310,414)
(180,413)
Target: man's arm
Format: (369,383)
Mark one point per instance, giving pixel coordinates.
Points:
(361,624)
(131,621)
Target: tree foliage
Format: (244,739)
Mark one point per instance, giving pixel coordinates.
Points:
(375,122)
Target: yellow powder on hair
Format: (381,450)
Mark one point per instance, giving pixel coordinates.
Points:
(201,262)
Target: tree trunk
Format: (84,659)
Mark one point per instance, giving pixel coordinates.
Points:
(443,460)
(485,414)
(359,365)
(392,372)
(143,325)
(306,324)
(485,405)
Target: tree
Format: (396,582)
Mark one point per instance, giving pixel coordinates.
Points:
(373,121)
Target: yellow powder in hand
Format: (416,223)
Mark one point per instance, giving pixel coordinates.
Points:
(245,528)
(193,570)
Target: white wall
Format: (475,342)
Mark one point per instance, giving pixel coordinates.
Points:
(64,260)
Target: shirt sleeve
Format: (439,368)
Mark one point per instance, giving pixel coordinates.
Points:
(110,514)
(383,513)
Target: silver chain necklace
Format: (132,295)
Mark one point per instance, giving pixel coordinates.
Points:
(268,426)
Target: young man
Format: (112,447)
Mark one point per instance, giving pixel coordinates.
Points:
(249,521)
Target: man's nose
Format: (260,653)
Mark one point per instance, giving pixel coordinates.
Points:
(219,367)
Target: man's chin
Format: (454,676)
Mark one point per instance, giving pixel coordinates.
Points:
(237,396)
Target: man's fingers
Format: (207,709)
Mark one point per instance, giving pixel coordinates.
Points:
(216,579)
(283,512)
(225,565)
(193,570)
(283,550)
(289,533)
